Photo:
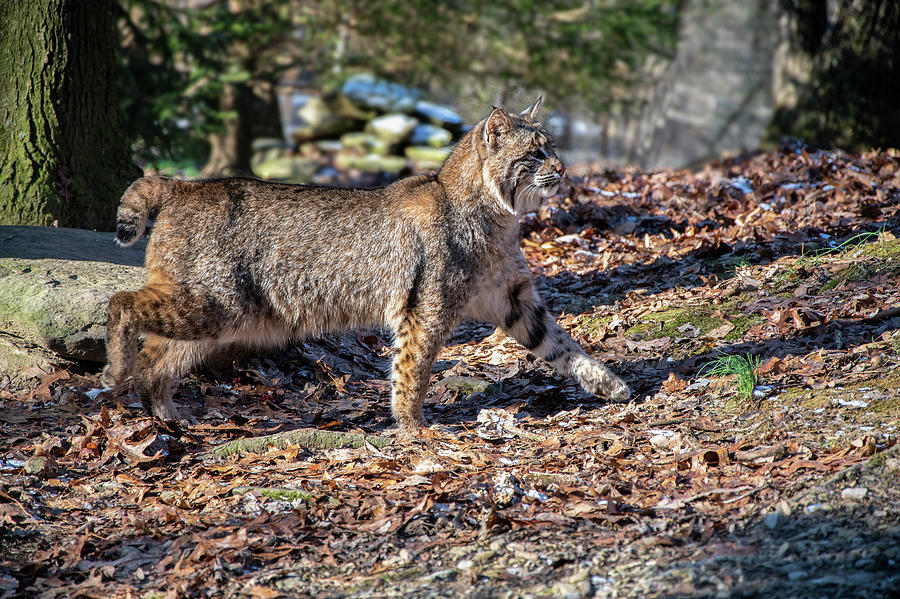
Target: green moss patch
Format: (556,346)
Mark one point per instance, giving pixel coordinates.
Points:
(666,323)
(869,260)
(592,324)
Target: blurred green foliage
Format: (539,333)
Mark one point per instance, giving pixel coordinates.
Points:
(174,64)
(174,61)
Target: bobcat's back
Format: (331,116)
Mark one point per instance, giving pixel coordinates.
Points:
(260,263)
(318,258)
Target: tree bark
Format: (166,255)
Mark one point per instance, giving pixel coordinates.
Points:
(850,100)
(255,114)
(63,159)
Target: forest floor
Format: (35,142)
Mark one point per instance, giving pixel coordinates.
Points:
(752,307)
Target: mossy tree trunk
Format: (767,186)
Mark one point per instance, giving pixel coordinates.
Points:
(63,157)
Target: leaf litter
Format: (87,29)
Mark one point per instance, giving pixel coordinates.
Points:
(524,485)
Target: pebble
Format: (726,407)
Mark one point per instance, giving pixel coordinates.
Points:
(569,591)
(854,493)
(773,520)
(40,465)
(506,488)
(763,390)
(93,393)
(852,403)
(666,442)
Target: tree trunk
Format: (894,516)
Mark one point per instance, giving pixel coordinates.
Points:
(255,114)
(63,159)
(850,100)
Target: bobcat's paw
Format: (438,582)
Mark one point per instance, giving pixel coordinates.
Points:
(412,428)
(108,379)
(596,378)
(617,390)
(164,409)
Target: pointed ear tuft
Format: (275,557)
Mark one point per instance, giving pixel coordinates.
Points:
(496,124)
(533,112)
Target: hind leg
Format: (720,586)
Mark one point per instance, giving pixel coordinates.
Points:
(122,330)
(184,323)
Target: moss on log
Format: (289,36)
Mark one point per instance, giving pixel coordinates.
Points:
(308,438)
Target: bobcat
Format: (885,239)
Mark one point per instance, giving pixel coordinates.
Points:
(261,263)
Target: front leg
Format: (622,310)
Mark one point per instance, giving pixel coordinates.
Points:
(522,315)
(418,341)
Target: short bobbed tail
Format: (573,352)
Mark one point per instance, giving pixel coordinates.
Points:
(140,199)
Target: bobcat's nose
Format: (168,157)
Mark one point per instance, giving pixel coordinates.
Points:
(561,169)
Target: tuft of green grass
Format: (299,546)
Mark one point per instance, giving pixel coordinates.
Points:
(742,367)
(841,250)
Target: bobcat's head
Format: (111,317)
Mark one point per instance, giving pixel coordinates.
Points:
(520,165)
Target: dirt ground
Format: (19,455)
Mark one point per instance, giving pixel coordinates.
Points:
(753,308)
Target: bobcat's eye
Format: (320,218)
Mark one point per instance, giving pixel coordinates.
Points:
(539,153)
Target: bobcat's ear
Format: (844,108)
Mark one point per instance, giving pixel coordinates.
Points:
(498,123)
(534,111)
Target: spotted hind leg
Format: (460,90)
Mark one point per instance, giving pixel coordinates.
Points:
(182,324)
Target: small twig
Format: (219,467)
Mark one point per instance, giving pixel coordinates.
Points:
(707,427)
(748,493)
(667,422)
(749,455)
(719,491)
(21,507)
(520,432)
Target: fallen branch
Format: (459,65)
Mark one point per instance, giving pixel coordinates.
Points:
(666,422)
(748,493)
(309,438)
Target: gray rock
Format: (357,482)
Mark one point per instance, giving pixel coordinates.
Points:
(370,163)
(854,493)
(366,143)
(392,128)
(427,157)
(17,357)
(773,520)
(261,144)
(430,135)
(344,106)
(54,287)
(506,489)
(319,121)
(40,465)
(437,114)
(329,146)
(295,169)
(366,91)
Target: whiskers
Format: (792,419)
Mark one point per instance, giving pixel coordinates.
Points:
(529,198)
